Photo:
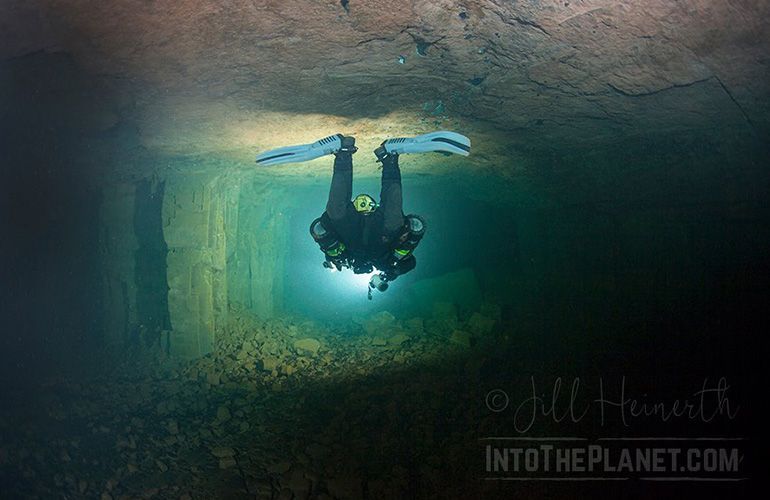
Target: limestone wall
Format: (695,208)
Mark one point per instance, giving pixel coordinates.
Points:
(224,239)
(194,220)
(255,265)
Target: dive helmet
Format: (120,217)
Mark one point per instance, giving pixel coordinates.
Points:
(364,204)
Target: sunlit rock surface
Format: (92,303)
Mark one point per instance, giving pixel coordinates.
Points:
(224,76)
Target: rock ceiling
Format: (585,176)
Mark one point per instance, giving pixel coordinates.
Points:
(536,72)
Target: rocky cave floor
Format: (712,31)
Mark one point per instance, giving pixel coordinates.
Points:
(378,408)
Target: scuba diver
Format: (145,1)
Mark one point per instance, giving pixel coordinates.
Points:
(361,234)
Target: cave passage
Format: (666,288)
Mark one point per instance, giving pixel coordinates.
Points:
(167,329)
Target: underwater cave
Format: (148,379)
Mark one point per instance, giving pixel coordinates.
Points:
(585,314)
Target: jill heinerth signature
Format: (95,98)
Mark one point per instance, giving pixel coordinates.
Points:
(703,405)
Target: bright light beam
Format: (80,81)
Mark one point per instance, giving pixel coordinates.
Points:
(358,280)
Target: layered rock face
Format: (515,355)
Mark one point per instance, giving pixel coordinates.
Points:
(215,243)
(566,72)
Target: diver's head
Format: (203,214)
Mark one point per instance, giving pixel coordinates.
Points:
(364,204)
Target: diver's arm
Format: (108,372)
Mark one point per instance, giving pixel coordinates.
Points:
(382,280)
(400,268)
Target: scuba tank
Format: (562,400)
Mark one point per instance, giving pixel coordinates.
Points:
(330,245)
(415,230)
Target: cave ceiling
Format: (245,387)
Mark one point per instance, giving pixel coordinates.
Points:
(242,75)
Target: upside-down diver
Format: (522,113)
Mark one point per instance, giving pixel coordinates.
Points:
(361,234)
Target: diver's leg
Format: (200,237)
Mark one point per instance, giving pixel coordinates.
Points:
(341,190)
(391,197)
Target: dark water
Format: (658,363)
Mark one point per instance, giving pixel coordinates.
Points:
(642,266)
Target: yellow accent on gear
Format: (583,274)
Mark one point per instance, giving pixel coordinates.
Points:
(334,252)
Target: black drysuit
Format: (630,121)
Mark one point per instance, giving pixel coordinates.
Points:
(369,239)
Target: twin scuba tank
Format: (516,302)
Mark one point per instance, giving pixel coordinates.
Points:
(330,245)
(415,230)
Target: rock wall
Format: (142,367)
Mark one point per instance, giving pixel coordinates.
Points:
(117,246)
(194,218)
(255,265)
(222,243)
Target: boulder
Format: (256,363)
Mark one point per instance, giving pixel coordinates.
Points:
(307,346)
(379,323)
(379,341)
(460,338)
(398,339)
(270,363)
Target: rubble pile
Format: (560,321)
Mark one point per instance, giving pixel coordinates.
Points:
(284,408)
